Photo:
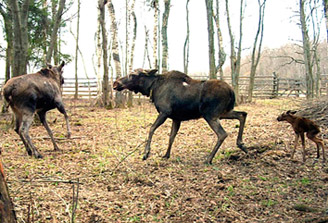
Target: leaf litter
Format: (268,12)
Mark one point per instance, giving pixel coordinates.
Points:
(117,186)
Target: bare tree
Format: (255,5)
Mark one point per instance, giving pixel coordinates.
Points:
(235,57)
(77,49)
(154,4)
(165,20)
(186,43)
(306,52)
(325,6)
(257,47)
(54,33)
(210,31)
(221,53)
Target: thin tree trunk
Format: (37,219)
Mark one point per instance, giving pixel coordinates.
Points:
(77,49)
(210,30)
(105,85)
(146,52)
(54,33)
(257,47)
(221,54)
(325,6)
(134,18)
(119,99)
(165,48)
(306,53)
(155,6)
(186,43)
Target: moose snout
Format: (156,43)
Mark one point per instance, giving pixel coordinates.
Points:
(117,85)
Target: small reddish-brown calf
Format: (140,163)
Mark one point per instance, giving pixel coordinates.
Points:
(300,126)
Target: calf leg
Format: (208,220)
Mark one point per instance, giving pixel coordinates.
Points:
(42,116)
(221,134)
(319,143)
(241,116)
(295,145)
(159,121)
(61,109)
(174,130)
(27,120)
(303,146)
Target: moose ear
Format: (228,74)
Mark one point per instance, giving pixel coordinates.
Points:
(62,64)
(49,66)
(291,112)
(152,72)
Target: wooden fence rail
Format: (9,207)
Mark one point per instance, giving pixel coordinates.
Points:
(268,86)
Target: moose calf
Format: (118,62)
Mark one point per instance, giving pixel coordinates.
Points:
(38,92)
(300,126)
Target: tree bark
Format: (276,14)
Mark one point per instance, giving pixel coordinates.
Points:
(20,36)
(54,33)
(7,212)
(210,30)
(76,95)
(221,54)
(134,37)
(306,52)
(257,47)
(165,48)
(186,43)
(155,6)
(325,6)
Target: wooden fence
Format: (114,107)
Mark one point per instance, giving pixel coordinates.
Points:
(269,86)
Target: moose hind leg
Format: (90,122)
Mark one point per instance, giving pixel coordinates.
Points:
(241,116)
(42,116)
(61,109)
(221,134)
(18,127)
(159,121)
(174,130)
(26,124)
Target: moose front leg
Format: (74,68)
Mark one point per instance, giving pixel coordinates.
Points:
(159,121)
(61,109)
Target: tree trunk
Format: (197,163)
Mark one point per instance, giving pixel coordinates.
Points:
(155,6)
(186,43)
(257,47)
(7,212)
(105,84)
(210,30)
(235,57)
(119,99)
(165,48)
(221,55)
(20,34)
(325,6)
(134,18)
(306,53)
(76,95)
(54,33)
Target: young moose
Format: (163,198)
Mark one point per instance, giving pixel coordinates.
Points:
(300,126)
(180,98)
(38,92)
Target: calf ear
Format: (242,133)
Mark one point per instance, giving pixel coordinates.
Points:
(291,112)
(152,72)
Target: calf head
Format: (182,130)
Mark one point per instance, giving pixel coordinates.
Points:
(56,72)
(135,81)
(284,116)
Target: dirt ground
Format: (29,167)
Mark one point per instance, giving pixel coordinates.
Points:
(115,185)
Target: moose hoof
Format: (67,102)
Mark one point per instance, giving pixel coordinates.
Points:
(145,156)
(208,162)
(69,135)
(242,147)
(166,156)
(38,156)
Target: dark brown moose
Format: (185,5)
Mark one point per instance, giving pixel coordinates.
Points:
(35,93)
(180,98)
(300,126)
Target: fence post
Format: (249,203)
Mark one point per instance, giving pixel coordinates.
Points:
(275,85)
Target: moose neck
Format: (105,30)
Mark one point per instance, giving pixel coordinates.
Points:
(147,85)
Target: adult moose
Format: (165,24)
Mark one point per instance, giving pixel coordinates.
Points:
(181,98)
(35,93)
